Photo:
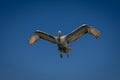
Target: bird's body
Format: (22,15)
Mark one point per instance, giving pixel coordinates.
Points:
(63,44)
(63,40)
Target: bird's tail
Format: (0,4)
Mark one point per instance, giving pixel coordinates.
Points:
(68,48)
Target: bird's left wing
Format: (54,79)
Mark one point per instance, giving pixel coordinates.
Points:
(80,31)
(40,34)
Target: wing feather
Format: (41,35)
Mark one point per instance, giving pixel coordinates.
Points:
(80,31)
(43,35)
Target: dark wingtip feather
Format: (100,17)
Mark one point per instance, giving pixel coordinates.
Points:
(94,32)
(33,39)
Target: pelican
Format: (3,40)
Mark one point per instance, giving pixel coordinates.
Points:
(62,41)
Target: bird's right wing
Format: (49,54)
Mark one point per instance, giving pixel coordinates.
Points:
(80,31)
(40,34)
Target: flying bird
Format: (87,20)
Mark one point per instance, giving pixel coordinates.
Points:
(62,41)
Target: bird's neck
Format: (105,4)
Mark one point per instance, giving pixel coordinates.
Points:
(59,37)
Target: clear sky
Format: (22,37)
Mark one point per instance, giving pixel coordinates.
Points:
(90,58)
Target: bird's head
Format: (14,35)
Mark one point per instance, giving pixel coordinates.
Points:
(59,33)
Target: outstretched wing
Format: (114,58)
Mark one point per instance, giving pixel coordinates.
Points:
(40,34)
(80,31)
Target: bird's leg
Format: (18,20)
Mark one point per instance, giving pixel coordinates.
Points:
(67,55)
(61,55)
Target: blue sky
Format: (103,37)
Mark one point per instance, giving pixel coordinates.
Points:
(90,58)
